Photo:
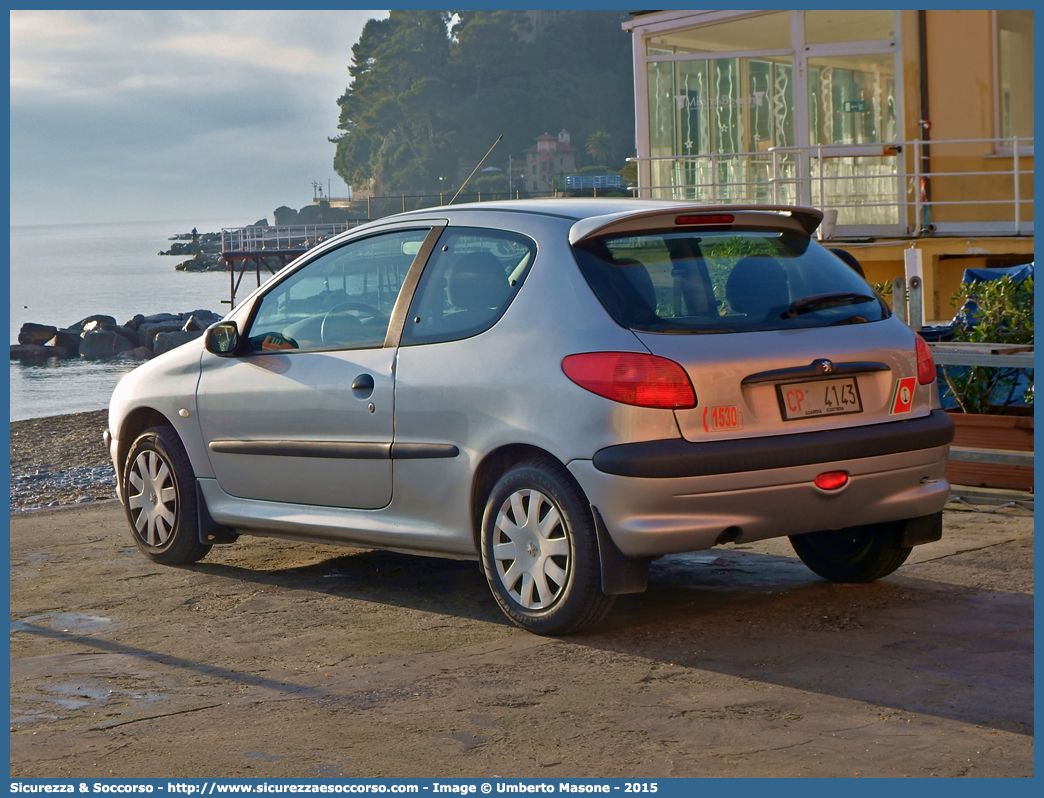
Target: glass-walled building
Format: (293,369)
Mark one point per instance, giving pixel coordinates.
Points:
(828,108)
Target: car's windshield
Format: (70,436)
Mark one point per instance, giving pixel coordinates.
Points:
(724,281)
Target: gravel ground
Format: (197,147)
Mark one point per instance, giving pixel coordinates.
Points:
(60,460)
(280,659)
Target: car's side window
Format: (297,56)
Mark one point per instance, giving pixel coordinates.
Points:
(341,300)
(467,284)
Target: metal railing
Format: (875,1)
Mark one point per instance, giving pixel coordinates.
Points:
(886,185)
(960,353)
(385,205)
(278,238)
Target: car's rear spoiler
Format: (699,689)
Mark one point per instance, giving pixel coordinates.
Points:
(796,217)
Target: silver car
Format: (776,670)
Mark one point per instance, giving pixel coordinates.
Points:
(563,390)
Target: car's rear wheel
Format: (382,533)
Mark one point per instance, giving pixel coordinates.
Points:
(540,552)
(160,498)
(855,554)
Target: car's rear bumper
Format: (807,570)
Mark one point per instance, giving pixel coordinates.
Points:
(683,458)
(665,514)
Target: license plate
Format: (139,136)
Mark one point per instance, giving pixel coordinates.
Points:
(819,398)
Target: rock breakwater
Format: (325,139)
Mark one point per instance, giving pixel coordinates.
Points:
(204,249)
(100,336)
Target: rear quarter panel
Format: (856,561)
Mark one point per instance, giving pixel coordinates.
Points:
(506,386)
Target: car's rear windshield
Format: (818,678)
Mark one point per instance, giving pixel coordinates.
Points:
(712,281)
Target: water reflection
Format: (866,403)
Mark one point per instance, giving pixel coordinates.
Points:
(55,387)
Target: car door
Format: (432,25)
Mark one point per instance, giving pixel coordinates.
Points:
(303,412)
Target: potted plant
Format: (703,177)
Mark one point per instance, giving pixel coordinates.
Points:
(994,406)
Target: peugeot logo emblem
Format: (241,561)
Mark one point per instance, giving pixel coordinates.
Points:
(825,366)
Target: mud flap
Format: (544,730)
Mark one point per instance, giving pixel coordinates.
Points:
(923,529)
(620,574)
(210,531)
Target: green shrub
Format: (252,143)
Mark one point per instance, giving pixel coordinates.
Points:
(1004,316)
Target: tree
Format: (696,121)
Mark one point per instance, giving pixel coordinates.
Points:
(432,90)
(395,116)
(492,73)
(599,146)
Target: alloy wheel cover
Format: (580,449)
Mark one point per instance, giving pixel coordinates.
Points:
(154,508)
(531,549)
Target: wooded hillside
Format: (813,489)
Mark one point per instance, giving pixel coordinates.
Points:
(432,90)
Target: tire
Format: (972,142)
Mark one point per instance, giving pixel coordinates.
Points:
(160,498)
(540,552)
(855,554)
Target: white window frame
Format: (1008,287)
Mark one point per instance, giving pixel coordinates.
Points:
(800,52)
(1000,150)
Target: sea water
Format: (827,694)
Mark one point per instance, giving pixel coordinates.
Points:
(61,274)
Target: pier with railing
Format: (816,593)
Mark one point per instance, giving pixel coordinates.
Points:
(258,248)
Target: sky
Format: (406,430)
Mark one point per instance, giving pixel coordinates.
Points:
(128,116)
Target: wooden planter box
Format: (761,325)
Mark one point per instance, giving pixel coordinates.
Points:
(1012,433)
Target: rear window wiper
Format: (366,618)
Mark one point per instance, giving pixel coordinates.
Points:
(822,301)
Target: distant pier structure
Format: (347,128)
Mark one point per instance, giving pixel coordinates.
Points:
(253,248)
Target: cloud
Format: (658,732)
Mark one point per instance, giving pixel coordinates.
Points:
(108,106)
(94,53)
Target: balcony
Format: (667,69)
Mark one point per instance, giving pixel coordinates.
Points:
(959,187)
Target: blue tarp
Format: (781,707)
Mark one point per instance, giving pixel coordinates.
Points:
(1017,273)
(966,315)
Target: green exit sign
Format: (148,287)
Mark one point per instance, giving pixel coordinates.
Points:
(855,106)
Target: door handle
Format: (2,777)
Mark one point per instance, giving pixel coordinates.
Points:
(362,386)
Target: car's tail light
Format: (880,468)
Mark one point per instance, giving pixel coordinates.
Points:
(925,362)
(831,480)
(721,218)
(632,378)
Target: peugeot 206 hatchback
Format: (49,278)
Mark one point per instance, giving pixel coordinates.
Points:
(563,390)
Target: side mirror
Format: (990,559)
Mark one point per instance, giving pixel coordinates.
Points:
(222,338)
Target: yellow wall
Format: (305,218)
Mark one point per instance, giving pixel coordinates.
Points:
(944,261)
(960,93)
(960,74)
(961,106)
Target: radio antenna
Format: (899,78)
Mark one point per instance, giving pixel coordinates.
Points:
(484,157)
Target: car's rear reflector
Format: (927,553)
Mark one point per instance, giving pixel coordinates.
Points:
(723,218)
(925,362)
(832,480)
(632,378)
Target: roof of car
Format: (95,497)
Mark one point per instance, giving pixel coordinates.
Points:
(568,207)
(597,215)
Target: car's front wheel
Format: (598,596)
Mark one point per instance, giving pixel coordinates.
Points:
(160,498)
(540,551)
(855,554)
